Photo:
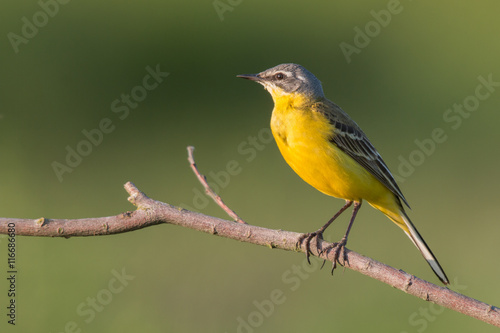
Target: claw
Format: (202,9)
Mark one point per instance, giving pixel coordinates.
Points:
(334,265)
(307,238)
(338,248)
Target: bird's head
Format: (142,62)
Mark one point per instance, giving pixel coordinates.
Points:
(288,79)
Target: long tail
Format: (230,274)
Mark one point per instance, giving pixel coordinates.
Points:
(424,248)
(395,211)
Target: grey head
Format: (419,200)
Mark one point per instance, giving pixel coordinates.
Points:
(288,79)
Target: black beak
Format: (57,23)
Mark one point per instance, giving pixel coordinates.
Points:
(252,77)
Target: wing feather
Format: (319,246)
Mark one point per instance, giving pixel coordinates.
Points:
(349,138)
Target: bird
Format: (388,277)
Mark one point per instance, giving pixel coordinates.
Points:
(330,152)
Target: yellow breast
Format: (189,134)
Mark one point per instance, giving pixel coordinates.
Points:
(303,138)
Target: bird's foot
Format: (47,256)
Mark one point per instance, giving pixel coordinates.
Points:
(338,248)
(306,239)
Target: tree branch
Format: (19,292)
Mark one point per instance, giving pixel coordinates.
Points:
(150,212)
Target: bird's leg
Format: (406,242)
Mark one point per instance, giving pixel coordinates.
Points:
(340,246)
(318,234)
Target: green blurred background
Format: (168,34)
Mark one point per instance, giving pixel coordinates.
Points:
(64,79)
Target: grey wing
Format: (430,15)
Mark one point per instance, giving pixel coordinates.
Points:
(349,138)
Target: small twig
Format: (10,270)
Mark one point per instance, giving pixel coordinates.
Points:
(208,190)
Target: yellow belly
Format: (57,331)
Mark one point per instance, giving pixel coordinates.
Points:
(303,140)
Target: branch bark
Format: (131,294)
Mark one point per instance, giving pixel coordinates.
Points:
(150,212)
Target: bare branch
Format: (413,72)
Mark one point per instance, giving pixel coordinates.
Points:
(208,190)
(151,212)
(128,221)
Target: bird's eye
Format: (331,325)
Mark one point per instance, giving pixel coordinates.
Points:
(279,76)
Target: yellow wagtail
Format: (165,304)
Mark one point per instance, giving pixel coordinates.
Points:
(328,150)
